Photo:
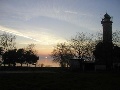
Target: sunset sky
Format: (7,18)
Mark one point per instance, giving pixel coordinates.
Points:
(48,22)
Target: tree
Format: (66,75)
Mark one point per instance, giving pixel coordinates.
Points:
(1,53)
(10,57)
(1,50)
(34,59)
(79,47)
(31,54)
(7,41)
(21,56)
(100,48)
(62,53)
(83,46)
(116,54)
(115,37)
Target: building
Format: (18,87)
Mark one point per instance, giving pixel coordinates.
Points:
(107,55)
(107,28)
(104,50)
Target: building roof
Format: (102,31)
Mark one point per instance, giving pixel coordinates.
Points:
(107,16)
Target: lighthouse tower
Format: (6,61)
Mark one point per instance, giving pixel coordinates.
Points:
(107,29)
(107,41)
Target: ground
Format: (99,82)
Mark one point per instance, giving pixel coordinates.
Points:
(60,81)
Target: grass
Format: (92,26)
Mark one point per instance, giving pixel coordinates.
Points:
(60,81)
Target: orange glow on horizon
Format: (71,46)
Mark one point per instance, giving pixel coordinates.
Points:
(45,51)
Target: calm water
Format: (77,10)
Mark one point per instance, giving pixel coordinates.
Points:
(47,63)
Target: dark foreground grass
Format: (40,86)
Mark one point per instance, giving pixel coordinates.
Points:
(60,81)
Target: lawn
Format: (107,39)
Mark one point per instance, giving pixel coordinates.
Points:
(60,81)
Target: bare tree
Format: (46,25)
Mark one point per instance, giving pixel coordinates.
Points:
(7,41)
(83,46)
(31,54)
(62,53)
(116,38)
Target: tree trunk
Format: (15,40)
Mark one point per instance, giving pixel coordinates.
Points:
(4,64)
(14,64)
(9,64)
(21,64)
(27,64)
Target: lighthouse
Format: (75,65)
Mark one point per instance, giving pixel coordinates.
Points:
(107,28)
(107,41)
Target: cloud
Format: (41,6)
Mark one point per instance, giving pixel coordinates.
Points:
(46,38)
(71,12)
(26,12)
(42,38)
(11,31)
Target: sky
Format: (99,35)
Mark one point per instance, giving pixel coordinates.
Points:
(48,22)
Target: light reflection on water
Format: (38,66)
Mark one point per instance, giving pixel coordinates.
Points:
(47,63)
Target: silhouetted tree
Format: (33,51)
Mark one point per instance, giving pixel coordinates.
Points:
(21,56)
(31,48)
(1,50)
(115,37)
(1,53)
(62,53)
(116,54)
(34,59)
(30,57)
(31,54)
(83,46)
(7,41)
(9,57)
(42,65)
(79,47)
(101,49)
